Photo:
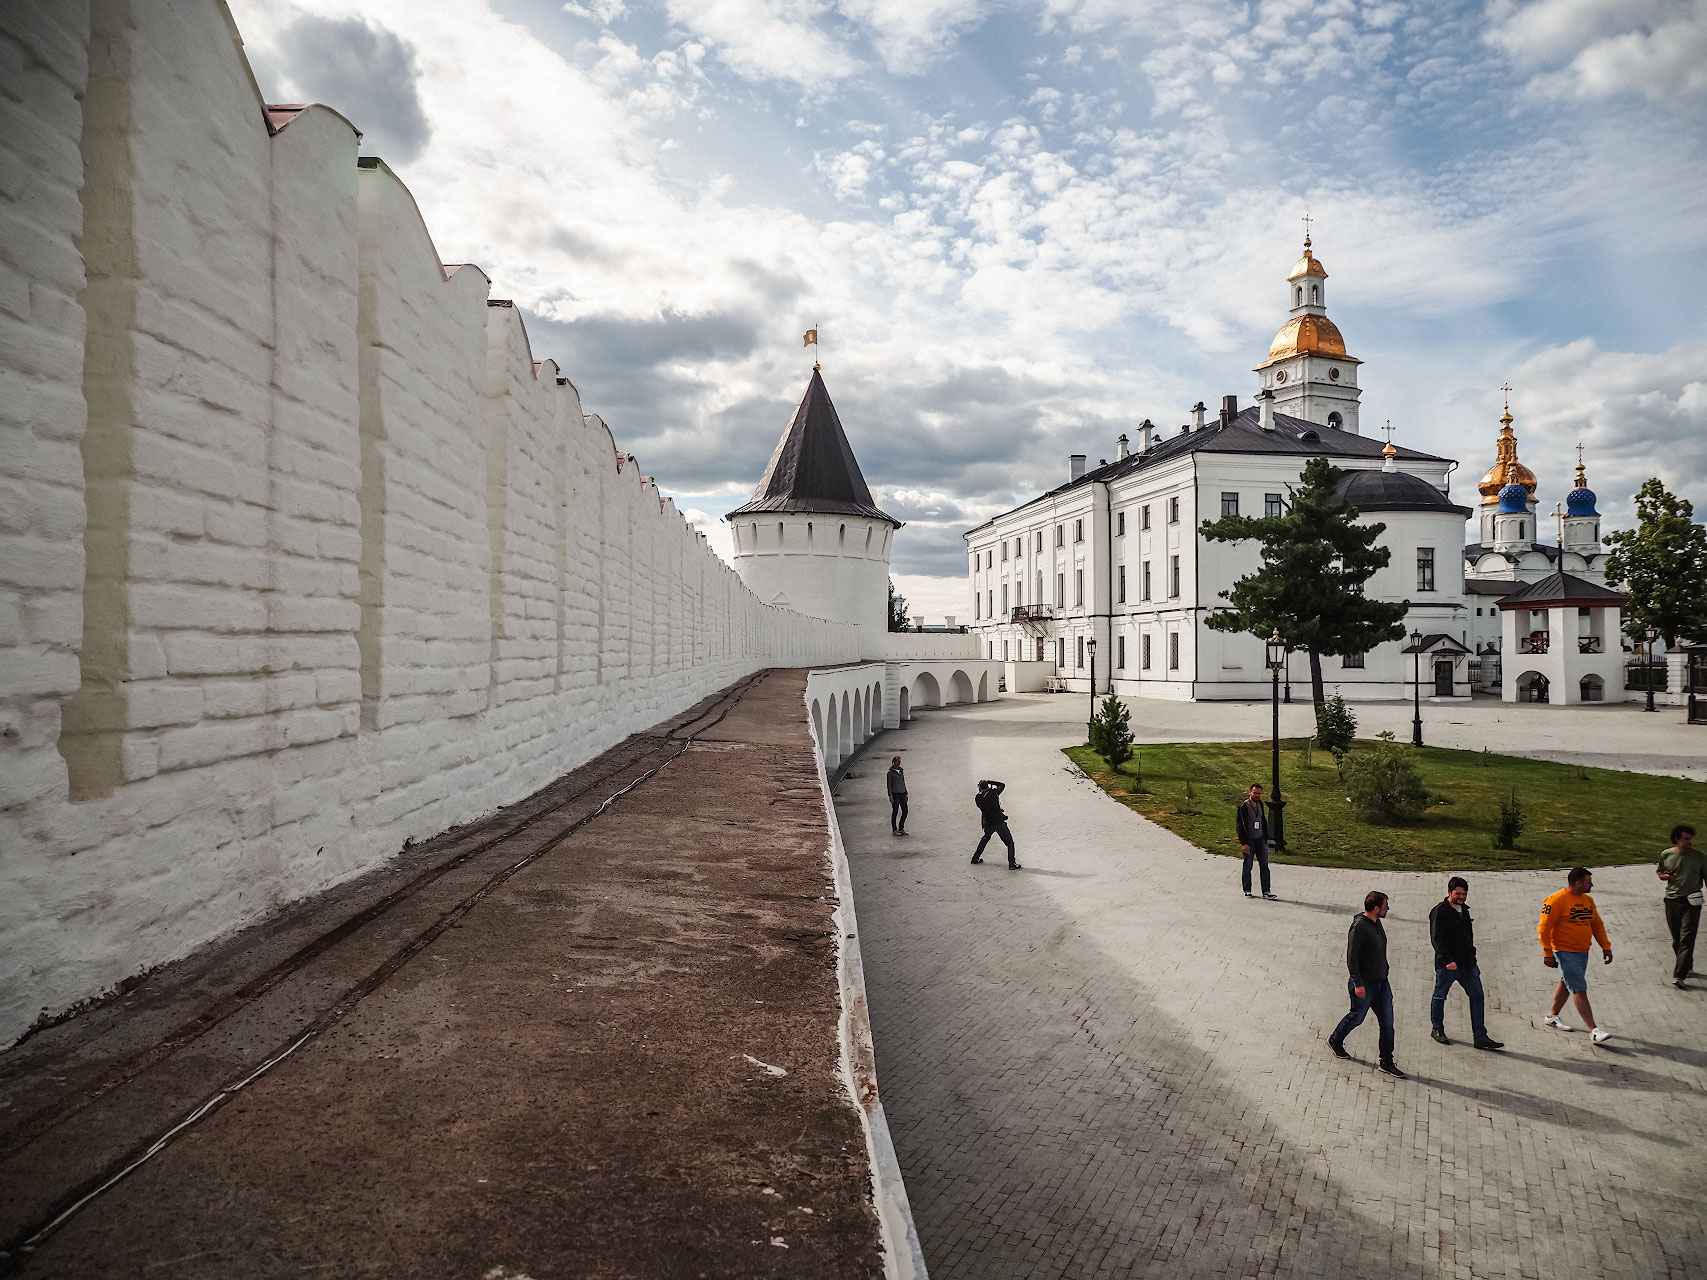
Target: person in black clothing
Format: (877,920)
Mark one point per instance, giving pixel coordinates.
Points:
(897,784)
(1366,960)
(1253,838)
(989,805)
(1452,933)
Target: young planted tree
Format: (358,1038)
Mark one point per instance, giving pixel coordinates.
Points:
(897,608)
(1315,560)
(1110,732)
(1661,565)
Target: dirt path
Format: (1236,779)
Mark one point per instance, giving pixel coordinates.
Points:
(618,1058)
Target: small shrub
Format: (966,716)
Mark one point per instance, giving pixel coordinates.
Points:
(1382,781)
(1336,728)
(1511,822)
(1110,732)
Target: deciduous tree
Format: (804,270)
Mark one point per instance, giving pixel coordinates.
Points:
(1661,565)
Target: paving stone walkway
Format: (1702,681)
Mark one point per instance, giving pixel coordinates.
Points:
(1111,1063)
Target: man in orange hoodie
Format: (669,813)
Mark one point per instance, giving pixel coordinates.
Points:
(1568,919)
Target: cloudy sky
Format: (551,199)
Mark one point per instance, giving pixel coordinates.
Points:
(1023,226)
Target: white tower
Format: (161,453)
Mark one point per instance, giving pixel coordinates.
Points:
(811,539)
(1507,471)
(1307,368)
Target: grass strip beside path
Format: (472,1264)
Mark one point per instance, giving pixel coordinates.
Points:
(1575,814)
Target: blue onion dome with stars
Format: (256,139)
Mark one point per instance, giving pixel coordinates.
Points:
(1514,500)
(1580,501)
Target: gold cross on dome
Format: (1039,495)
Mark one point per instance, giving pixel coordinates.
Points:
(1306,231)
(1579,453)
(1389,430)
(1506,387)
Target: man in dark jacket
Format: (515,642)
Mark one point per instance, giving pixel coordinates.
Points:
(1253,837)
(989,804)
(1452,933)
(1366,961)
(897,784)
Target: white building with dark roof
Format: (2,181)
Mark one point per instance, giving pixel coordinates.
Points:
(1114,556)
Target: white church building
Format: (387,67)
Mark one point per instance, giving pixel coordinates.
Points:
(1114,556)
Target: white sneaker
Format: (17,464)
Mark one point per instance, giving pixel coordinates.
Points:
(1600,1036)
(1552,1020)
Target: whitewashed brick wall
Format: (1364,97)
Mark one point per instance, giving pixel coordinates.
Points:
(302,552)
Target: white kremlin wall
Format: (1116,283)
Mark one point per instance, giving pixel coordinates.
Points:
(302,553)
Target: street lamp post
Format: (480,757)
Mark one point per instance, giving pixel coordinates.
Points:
(1092,646)
(1286,696)
(1416,689)
(1650,635)
(1276,659)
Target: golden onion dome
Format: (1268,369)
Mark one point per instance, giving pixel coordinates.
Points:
(1506,469)
(1308,265)
(1306,335)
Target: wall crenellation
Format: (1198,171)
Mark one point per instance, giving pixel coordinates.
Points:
(303,553)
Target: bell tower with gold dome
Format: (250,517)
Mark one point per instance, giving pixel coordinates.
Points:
(1307,368)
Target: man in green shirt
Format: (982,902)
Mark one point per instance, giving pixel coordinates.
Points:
(1684,868)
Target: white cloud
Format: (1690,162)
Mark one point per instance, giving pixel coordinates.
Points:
(911,34)
(1636,415)
(1602,48)
(603,12)
(770,40)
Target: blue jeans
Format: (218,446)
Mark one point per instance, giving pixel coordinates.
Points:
(1471,980)
(898,811)
(1377,996)
(1259,851)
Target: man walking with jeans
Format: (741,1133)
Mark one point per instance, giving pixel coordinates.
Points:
(989,802)
(1568,918)
(1253,838)
(1366,960)
(1452,933)
(897,783)
(1683,867)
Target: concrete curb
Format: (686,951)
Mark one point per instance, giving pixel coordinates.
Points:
(902,1257)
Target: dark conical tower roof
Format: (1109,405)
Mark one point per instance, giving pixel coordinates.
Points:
(813,468)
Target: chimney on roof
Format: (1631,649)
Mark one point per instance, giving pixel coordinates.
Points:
(1197,412)
(1265,409)
(1075,466)
(1229,409)
(1121,447)
(948,621)
(1146,436)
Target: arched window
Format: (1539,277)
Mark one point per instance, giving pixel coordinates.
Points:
(808,535)
(1315,294)
(1335,421)
(779,533)
(753,529)
(1520,528)
(1300,301)
(868,540)
(842,538)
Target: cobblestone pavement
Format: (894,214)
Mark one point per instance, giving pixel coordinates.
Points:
(1111,1063)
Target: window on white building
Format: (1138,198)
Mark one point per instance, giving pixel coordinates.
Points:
(1144,660)
(1040,542)
(1146,582)
(1060,535)
(1004,651)
(1173,510)
(1060,591)
(1004,612)
(1425,568)
(1144,517)
(1173,576)
(1081,653)
(1078,531)
(1271,505)
(1004,550)
(1078,588)
(1173,651)
(1229,504)
(1120,524)
(1060,653)
(1120,653)
(1122,586)
(1352,662)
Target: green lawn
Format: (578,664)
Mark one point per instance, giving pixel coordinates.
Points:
(1596,817)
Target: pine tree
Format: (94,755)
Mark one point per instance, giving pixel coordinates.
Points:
(1110,732)
(1315,561)
(1661,565)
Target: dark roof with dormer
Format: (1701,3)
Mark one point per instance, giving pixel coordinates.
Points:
(1395,491)
(1560,588)
(813,470)
(1243,434)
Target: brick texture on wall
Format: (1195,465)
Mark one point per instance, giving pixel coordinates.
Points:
(304,552)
